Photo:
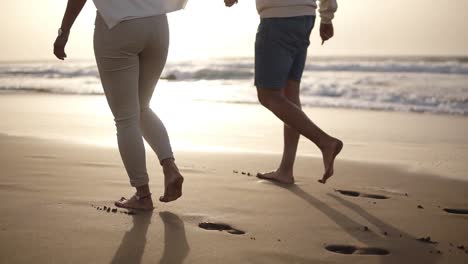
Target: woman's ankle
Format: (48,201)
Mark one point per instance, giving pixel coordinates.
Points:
(143,191)
(169,164)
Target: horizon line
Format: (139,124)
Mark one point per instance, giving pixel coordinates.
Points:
(368,56)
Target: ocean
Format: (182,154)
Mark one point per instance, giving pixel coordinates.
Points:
(437,85)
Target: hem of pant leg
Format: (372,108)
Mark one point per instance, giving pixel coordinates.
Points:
(171,156)
(139,184)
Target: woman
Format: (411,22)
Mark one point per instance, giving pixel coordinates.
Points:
(131,42)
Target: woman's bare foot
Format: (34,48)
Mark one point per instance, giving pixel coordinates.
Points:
(139,203)
(329,153)
(277,176)
(173,181)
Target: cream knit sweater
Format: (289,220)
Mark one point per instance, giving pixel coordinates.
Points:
(290,8)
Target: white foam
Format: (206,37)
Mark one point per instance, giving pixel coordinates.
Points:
(419,85)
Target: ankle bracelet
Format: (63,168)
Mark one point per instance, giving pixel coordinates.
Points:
(138,197)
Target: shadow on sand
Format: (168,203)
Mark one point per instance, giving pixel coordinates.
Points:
(176,247)
(133,244)
(414,250)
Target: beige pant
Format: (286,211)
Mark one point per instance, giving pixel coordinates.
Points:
(130,58)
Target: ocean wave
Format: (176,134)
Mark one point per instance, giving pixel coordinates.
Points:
(48,90)
(242,73)
(392,66)
(243,69)
(433,86)
(50,73)
(208,74)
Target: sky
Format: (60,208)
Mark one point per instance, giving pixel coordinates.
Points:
(206,28)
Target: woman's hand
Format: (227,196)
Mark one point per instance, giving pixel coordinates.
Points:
(230,3)
(74,8)
(59,46)
(326,32)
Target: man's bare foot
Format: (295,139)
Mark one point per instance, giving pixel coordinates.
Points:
(173,181)
(277,176)
(329,154)
(139,203)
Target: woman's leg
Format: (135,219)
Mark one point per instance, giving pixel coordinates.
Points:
(152,62)
(119,67)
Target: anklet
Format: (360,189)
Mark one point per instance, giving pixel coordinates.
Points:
(142,197)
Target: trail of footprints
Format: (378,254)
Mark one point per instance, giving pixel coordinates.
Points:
(243,173)
(113,210)
(350,249)
(336,248)
(351,193)
(371,196)
(378,196)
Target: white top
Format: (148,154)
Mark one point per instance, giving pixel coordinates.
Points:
(116,11)
(291,8)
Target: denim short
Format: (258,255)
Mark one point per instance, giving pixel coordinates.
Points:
(281,50)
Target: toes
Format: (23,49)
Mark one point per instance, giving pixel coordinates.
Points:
(173,191)
(325,177)
(166,199)
(120,202)
(265,175)
(323,180)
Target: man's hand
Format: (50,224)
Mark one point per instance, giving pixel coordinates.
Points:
(326,32)
(230,3)
(59,46)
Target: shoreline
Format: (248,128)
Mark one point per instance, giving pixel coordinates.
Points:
(400,166)
(417,142)
(39,93)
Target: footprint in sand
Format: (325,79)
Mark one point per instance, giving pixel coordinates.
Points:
(456,211)
(359,194)
(243,173)
(113,210)
(221,227)
(353,250)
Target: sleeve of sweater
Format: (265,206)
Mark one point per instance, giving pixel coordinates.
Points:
(327,9)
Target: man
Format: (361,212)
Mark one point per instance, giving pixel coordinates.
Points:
(280,55)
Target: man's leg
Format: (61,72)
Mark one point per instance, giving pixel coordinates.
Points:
(284,173)
(294,117)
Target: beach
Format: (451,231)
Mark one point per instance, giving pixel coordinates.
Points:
(386,81)
(385,203)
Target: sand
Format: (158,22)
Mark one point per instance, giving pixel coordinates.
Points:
(50,191)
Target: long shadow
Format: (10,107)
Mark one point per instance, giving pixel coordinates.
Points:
(132,247)
(419,250)
(176,247)
(346,223)
(354,228)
